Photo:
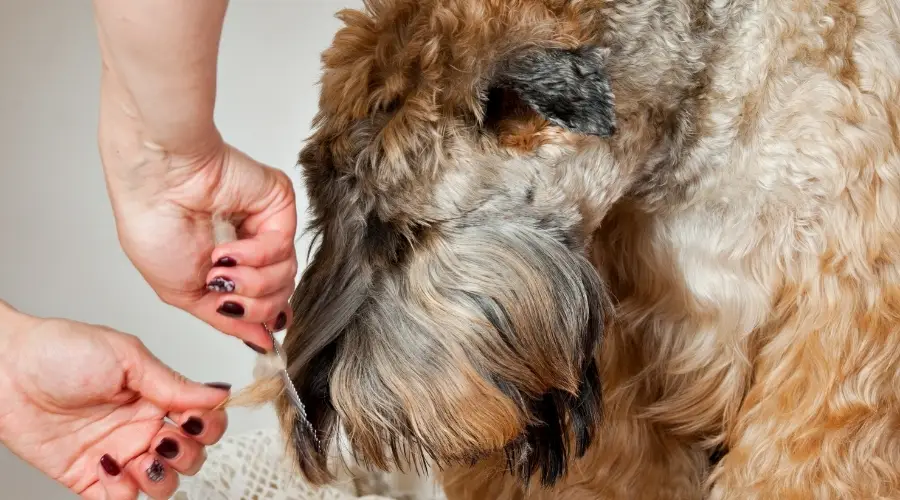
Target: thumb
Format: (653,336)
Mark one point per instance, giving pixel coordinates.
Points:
(166,388)
(265,195)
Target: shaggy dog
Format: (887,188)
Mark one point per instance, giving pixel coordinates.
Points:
(572,248)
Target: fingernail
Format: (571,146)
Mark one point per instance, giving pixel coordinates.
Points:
(193,426)
(220,284)
(280,321)
(231,309)
(156,472)
(167,448)
(110,466)
(225,262)
(225,386)
(255,347)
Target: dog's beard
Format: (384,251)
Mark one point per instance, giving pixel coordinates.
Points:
(481,341)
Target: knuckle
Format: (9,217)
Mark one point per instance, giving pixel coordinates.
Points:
(133,341)
(284,299)
(180,379)
(245,283)
(257,288)
(269,254)
(247,288)
(269,309)
(285,181)
(165,298)
(286,247)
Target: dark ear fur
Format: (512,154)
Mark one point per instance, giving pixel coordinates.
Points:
(568,87)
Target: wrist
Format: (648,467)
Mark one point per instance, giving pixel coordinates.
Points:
(120,122)
(138,160)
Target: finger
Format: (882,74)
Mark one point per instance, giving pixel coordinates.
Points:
(184,454)
(206,309)
(162,386)
(205,428)
(257,250)
(252,281)
(112,483)
(264,193)
(280,321)
(153,476)
(257,310)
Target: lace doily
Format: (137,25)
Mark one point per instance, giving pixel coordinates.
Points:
(251,467)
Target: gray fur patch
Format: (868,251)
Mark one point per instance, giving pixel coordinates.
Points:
(569,88)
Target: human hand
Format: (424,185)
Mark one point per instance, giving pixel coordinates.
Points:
(164,213)
(87,406)
(168,171)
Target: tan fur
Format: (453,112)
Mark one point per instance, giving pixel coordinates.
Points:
(745,218)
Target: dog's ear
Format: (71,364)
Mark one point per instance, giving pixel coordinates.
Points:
(567,87)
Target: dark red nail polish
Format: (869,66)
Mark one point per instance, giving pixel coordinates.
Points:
(231,309)
(167,448)
(255,347)
(110,466)
(280,321)
(225,386)
(225,262)
(220,284)
(156,472)
(193,426)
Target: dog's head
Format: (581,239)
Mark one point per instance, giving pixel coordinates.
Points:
(449,310)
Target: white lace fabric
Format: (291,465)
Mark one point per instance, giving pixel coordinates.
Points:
(251,467)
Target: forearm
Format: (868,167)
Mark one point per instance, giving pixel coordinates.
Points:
(159,72)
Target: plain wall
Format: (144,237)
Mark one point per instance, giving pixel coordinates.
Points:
(59,255)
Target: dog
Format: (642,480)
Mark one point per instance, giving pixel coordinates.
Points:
(574,248)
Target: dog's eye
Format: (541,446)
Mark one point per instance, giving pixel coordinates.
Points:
(391,107)
(515,124)
(504,104)
(492,106)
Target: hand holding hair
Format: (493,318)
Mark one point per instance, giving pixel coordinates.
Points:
(94,410)
(168,170)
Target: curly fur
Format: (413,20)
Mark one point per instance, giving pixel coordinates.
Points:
(730,170)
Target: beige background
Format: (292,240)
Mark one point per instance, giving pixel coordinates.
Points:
(58,250)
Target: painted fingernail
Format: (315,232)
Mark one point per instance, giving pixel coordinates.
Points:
(225,386)
(231,309)
(167,448)
(225,262)
(280,321)
(156,472)
(193,426)
(220,284)
(110,466)
(255,347)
